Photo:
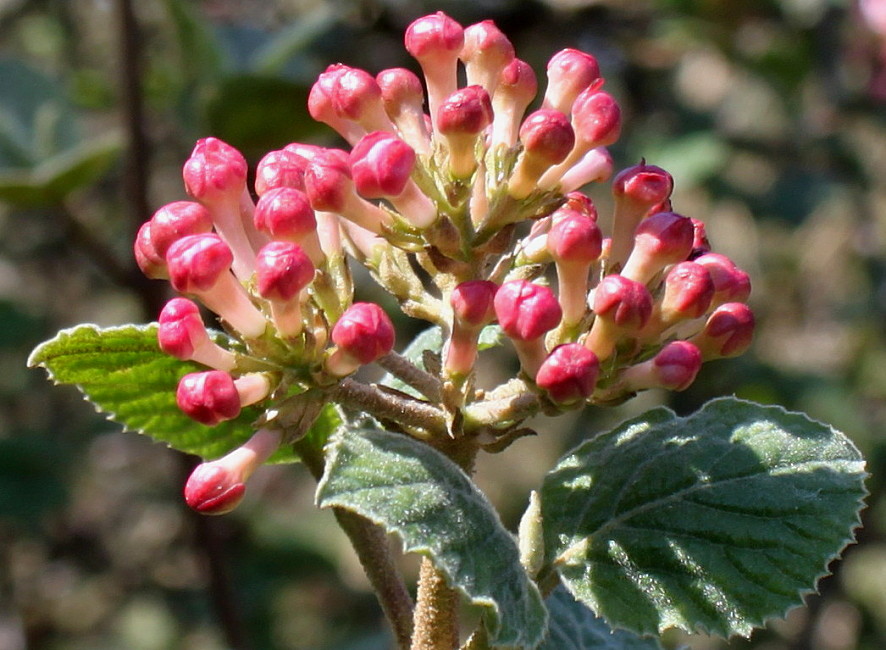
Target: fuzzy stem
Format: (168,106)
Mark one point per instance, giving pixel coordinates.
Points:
(402,368)
(373,550)
(390,406)
(436,619)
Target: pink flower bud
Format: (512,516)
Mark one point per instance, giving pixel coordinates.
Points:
(636,191)
(149,260)
(673,368)
(381,165)
(516,88)
(363,334)
(547,139)
(282,270)
(197,261)
(286,215)
(485,53)
(281,168)
(182,334)
(662,239)
(569,373)
(436,41)
(461,118)
(175,220)
(473,308)
(575,242)
(526,311)
(208,397)
(731,284)
(622,307)
(200,265)
(569,72)
(688,291)
(330,188)
(727,333)
(217,487)
(356,96)
(473,303)
(214,170)
(403,98)
(215,175)
(322,108)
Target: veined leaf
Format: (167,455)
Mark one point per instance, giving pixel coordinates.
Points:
(717,521)
(417,493)
(123,372)
(572,626)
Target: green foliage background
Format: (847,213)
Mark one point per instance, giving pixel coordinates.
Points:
(770,115)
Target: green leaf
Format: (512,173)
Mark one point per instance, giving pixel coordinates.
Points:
(414,491)
(123,372)
(572,626)
(717,521)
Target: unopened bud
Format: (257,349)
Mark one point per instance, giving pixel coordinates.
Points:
(473,308)
(688,291)
(215,396)
(217,487)
(286,214)
(280,168)
(200,265)
(547,139)
(593,167)
(175,220)
(322,107)
(182,334)
(516,88)
(731,284)
(363,334)
(330,188)
(622,307)
(356,96)
(282,271)
(526,311)
(636,191)
(575,242)
(662,239)
(485,53)
(569,373)
(461,118)
(435,41)
(673,368)
(151,263)
(403,99)
(727,333)
(569,72)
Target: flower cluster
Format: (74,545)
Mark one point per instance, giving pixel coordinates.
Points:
(468,211)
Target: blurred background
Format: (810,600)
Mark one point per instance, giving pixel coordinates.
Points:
(770,114)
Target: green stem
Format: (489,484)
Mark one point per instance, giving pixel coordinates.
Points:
(370,542)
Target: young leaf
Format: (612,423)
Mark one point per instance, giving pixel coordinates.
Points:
(123,372)
(414,491)
(572,626)
(717,521)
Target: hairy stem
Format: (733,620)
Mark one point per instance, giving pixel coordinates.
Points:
(370,542)
(402,368)
(390,406)
(436,618)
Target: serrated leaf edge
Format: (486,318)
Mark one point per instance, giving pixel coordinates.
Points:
(801,593)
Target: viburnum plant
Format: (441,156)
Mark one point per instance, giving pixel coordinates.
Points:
(469,213)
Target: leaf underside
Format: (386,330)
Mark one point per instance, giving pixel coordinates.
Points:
(714,522)
(123,372)
(420,495)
